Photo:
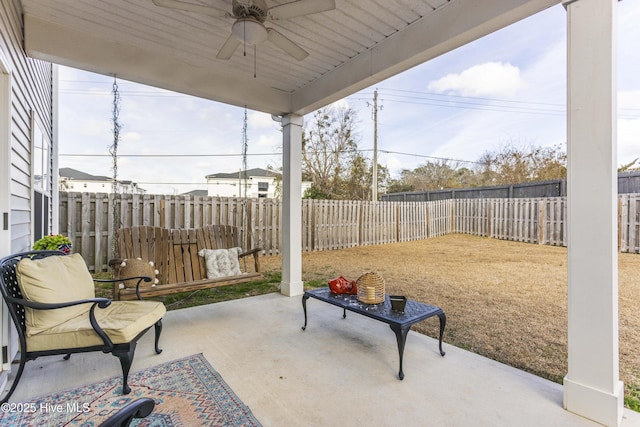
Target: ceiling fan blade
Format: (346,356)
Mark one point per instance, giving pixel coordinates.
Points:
(190,7)
(287,45)
(229,46)
(300,8)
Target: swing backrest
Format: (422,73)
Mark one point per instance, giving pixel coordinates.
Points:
(175,252)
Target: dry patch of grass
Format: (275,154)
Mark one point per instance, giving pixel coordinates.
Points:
(503,300)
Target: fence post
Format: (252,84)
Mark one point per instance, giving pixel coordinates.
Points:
(163,217)
(452,215)
(542,220)
(489,218)
(398,215)
(620,207)
(427,208)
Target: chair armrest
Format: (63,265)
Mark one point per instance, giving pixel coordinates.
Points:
(100,302)
(254,252)
(137,409)
(140,280)
(256,260)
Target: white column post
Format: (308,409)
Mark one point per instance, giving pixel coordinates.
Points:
(592,387)
(55,151)
(292,205)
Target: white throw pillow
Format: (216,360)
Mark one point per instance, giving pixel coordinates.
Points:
(221,262)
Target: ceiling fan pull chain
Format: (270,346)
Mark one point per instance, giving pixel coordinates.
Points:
(244,38)
(255,60)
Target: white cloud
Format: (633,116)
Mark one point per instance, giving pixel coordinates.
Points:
(272,141)
(628,140)
(260,120)
(131,137)
(628,99)
(488,79)
(341,103)
(628,126)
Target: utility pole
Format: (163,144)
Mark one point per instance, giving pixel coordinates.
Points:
(374,184)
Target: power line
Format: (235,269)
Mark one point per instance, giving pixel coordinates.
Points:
(451,101)
(431,157)
(471,106)
(446,95)
(447,101)
(264,154)
(126,92)
(168,155)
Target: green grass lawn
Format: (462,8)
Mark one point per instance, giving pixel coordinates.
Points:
(269,283)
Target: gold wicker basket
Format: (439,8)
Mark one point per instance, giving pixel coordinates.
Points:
(370,288)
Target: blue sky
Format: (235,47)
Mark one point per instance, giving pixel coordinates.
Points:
(506,88)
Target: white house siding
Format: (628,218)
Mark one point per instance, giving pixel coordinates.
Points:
(229,187)
(31,93)
(26,96)
(73,185)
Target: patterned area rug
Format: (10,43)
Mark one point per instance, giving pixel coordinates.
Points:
(187,392)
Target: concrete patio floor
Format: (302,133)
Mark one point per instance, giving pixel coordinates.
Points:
(339,372)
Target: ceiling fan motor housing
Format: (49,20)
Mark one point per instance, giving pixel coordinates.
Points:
(256,9)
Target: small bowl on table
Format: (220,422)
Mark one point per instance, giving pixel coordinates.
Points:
(398,303)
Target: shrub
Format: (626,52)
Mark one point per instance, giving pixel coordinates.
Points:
(53,242)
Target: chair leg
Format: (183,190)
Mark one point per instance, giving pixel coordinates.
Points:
(126,359)
(158,330)
(23,360)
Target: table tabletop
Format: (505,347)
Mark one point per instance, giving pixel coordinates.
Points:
(414,311)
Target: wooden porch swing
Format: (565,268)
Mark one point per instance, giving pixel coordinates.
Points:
(177,256)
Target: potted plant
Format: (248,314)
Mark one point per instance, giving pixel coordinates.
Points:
(54,242)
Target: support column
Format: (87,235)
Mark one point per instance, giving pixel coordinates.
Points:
(592,387)
(292,205)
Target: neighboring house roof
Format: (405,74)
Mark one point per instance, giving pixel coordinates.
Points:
(196,193)
(76,175)
(245,174)
(71,173)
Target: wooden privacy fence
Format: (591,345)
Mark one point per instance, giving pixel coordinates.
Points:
(541,221)
(87,219)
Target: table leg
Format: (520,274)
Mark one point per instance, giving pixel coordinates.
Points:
(443,322)
(304,308)
(401,337)
(344,314)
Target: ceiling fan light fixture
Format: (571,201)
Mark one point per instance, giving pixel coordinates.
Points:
(249,31)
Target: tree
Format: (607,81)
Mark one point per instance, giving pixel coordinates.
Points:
(330,156)
(631,166)
(514,165)
(277,180)
(356,184)
(434,176)
(508,165)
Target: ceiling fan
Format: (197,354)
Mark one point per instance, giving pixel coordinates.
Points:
(250,16)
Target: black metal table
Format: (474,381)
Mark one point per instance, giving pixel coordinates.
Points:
(400,323)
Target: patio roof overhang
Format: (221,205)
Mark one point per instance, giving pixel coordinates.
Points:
(352,47)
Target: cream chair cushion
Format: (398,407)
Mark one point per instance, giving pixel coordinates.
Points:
(122,321)
(54,279)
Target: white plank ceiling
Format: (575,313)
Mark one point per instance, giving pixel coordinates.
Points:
(352,47)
